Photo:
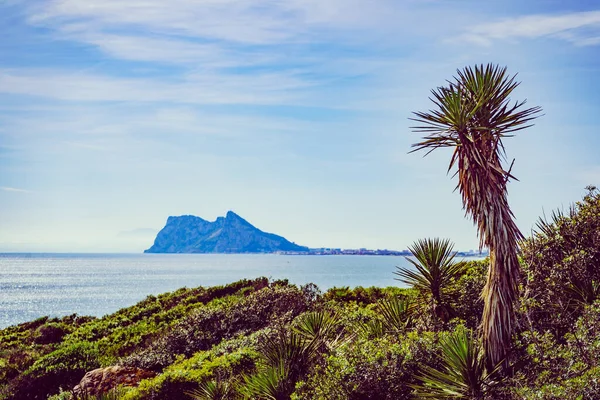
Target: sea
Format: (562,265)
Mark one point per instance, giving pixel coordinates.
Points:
(33,285)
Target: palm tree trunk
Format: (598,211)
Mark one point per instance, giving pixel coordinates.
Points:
(483,187)
(498,312)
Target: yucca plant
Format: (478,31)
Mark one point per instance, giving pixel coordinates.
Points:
(472,114)
(435,269)
(319,326)
(284,358)
(270,383)
(462,373)
(549,226)
(289,349)
(370,329)
(583,291)
(396,314)
(214,390)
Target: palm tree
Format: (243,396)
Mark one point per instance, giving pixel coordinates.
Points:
(435,269)
(473,114)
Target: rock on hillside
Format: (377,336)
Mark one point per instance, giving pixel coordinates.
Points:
(103,380)
(229,234)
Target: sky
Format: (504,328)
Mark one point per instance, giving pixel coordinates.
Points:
(115,114)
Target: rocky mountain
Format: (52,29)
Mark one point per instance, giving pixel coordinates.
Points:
(229,234)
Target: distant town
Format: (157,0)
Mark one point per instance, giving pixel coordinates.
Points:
(325,251)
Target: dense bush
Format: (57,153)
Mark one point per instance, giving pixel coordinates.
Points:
(465,293)
(381,368)
(551,365)
(50,333)
(186,375)
(561,262)
(364,295)
(62,368)
(208,326)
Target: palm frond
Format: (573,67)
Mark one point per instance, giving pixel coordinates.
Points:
(396,314)
(370,329)
(321,327)
(268,384)
(285,358)
(462,373)
(583,291)
(213,390)
(434,267)
(548,226)
(288,349)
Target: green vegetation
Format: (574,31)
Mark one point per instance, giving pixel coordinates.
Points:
(257,339)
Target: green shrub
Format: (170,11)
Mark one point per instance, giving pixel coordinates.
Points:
(583,387)
(52,332)
(382,368)
(186,375)
(564,362)
(62,368)
(363,295)
(465,293)
(565,250)
(208,326)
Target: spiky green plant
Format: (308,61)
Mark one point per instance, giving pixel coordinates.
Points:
(214,390)
(320,326)
(284,358)
(289,349)
(583,291)
(472,114)
(435,269)
(370,329)
(462,373)
(396,314)
(270,383)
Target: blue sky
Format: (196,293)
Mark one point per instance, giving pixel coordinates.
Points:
(115,114)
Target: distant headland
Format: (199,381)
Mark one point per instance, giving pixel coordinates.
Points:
(229,234)
(233,234)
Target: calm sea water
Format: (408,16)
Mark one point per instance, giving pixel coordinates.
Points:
(35,285)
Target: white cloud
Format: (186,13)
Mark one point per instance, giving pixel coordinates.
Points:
(206,88)
(171,50)
(241,21)
(580,28)
(139,233)
(12,189)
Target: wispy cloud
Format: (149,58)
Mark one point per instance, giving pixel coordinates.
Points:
(12,189)
(261,88)
(139,232)
(260,22)
(580,28)
(292,53)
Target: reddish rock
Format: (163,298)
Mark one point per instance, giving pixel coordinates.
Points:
(102,380)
